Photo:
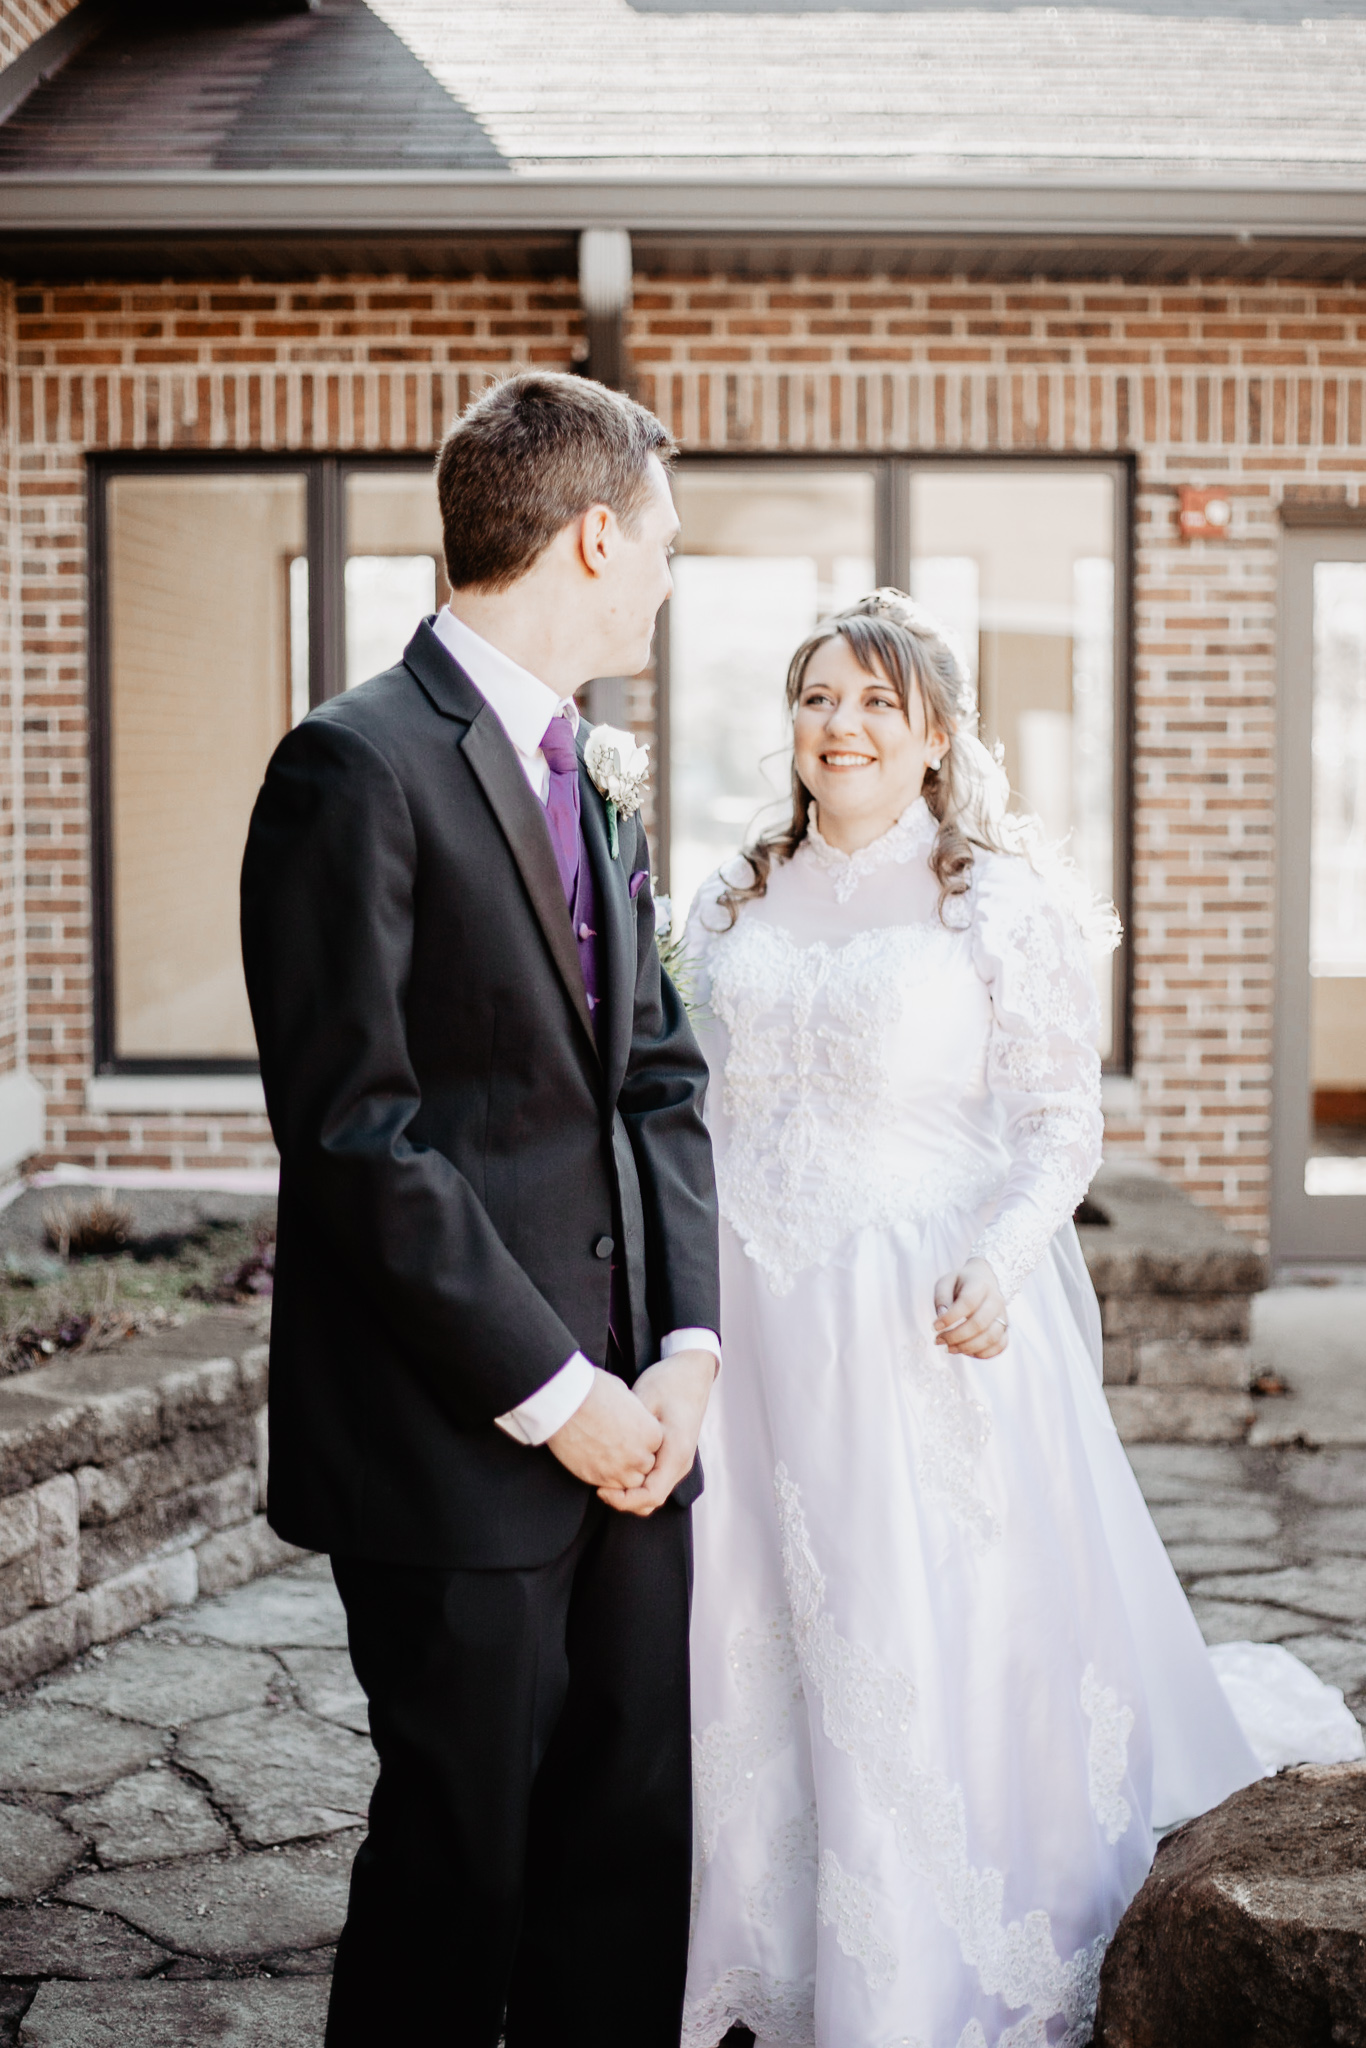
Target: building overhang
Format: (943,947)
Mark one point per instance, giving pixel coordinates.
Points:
(407,203)
(215,223)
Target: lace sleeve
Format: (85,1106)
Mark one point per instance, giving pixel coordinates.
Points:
(1042,1064)
(706,930)
(707,925)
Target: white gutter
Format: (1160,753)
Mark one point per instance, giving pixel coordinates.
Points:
(461,202)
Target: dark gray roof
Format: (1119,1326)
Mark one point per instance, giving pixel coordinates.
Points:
(1235,122)
(1171,90)
(245,89)
(1203,92)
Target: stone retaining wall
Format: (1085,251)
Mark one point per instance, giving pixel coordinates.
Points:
(131,1481)
(1175,1287)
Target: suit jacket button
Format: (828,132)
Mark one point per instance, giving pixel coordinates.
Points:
(603,1248)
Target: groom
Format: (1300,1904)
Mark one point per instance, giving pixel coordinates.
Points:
(496,1279)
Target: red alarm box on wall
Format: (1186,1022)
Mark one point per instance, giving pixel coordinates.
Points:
(1203,514)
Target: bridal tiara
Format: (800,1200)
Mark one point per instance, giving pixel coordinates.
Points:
(888,602)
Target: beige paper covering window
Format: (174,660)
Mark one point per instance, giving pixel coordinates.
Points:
(200,677)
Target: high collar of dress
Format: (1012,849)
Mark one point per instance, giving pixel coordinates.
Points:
(912,834)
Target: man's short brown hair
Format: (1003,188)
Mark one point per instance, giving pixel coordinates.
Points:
(529,456)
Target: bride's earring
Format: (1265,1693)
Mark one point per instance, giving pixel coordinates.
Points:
(933,767)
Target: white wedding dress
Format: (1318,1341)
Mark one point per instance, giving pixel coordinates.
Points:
(945,1681)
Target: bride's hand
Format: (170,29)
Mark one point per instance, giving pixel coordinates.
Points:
(972,1311)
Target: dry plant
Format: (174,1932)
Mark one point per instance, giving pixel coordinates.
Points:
(97,1225)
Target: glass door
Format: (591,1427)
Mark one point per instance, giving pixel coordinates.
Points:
(1319,1117)
(1022,561)
(393,573)
(765,551)
(1026,562)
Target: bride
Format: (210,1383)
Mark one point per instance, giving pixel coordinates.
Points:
(945,1681)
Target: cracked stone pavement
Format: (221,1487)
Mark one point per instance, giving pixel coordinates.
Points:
(178,1815)
(178,1812)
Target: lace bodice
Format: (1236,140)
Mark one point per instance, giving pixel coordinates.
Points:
(875,1066)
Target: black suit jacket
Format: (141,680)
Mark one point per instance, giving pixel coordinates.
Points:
(453,1146)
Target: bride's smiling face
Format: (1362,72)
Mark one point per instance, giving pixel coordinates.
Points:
(861,753)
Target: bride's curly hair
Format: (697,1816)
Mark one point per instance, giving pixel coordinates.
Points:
(891,636)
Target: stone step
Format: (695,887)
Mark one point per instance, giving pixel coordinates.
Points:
(1193,1415)
(1177,1362)
(1156,1240)
(1218,1318)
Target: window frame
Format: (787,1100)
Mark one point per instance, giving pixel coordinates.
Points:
(892,554)
(1306,1230)
(325,487)
(325,532)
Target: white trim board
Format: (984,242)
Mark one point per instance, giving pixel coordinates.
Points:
(228,1180)
(1119,1095)
(23,1117)
(240,1093)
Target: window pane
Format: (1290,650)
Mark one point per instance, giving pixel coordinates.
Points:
(763,554)
(204,643)
(1019,563)
(393,565)
(1337,889)
(298,639)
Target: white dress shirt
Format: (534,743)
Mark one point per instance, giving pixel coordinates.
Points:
(525,706)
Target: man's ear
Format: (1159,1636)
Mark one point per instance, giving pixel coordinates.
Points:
(595,538)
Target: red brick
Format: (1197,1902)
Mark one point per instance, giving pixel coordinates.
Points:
(1212,364)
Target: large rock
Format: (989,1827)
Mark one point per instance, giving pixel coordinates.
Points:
(1251,1926)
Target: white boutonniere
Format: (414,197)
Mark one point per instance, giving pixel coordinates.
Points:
(619,771)
(673,952)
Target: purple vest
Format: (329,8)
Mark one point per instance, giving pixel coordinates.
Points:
(584,912)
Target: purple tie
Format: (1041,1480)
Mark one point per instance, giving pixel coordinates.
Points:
(562,802)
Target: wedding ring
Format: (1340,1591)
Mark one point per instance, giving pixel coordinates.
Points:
(1002,1321)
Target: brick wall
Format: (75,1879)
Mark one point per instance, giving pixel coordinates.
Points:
(1257,388)
(11,972)
(23,21)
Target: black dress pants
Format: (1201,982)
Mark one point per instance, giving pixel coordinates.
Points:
(529,1856)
